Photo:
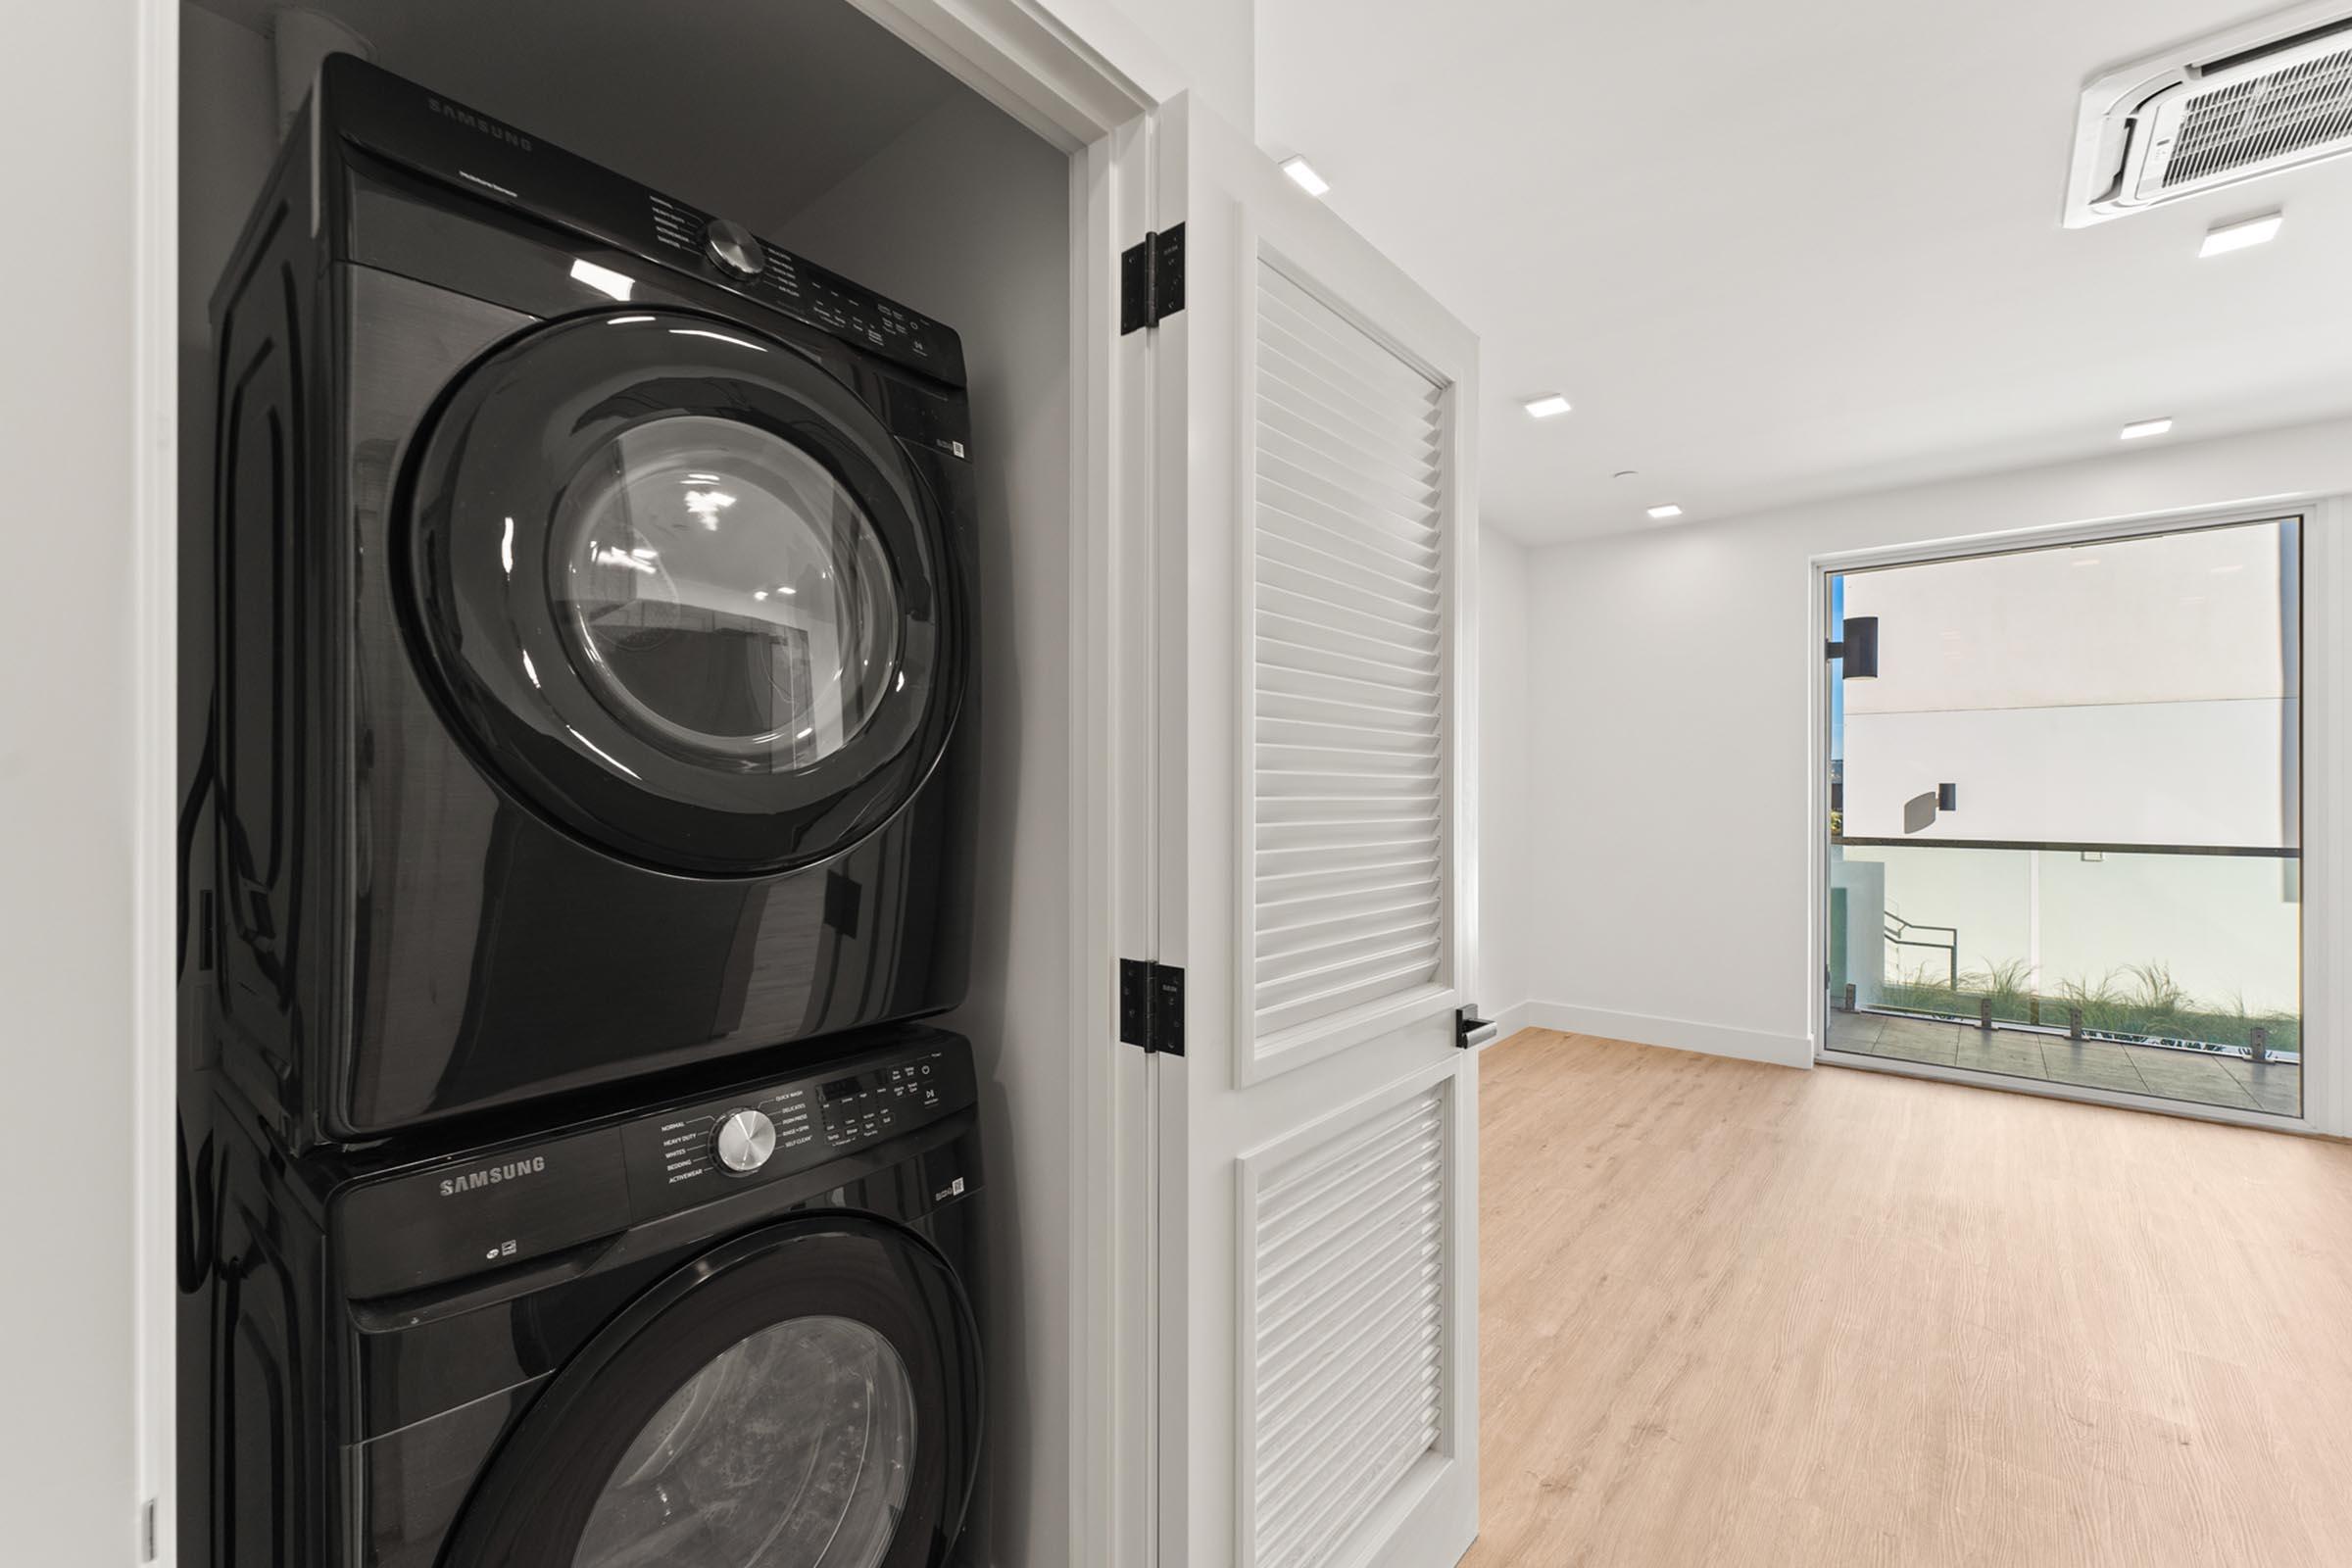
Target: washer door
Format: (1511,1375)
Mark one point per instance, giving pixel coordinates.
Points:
(808,1397)
(683,592)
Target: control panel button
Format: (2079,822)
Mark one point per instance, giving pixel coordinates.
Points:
(733,248)
(745,1140)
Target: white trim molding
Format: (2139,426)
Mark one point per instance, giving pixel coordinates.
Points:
(1508,1021)
(155,783)
(1674,1034)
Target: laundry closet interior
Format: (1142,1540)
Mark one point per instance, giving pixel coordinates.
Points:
(809,128)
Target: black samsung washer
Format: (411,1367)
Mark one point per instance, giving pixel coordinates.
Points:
(734,1329)
(590,656)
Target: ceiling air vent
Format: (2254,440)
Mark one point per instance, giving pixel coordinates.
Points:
(2262,96)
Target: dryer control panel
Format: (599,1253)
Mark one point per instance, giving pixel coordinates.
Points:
(494,162)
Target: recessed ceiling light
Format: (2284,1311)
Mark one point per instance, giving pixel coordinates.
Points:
(2141,429)
(1549,406)
(2239,233)
(1303,174)
(1661,514)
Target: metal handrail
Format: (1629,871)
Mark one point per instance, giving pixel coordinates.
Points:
(1897,927)
(2289,852)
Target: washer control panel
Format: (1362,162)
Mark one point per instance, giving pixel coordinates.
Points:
(697,1152)
(861,1106)
(746,1138)
(504,1206)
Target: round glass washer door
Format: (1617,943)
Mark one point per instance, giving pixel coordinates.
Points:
(683,591)
(808,1395)
(793,1446)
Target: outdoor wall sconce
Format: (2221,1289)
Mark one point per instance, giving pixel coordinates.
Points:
(1859,647)
(1919,810)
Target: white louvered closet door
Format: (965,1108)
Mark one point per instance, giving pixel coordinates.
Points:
(1345,1313)
(1318,1295)
(1348,901)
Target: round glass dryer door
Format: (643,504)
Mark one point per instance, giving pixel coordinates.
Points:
(729,597)
(807,1397)
(683,591)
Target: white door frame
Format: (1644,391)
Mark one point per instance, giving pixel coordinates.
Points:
(2327,714)
(154,786)
(1018,55)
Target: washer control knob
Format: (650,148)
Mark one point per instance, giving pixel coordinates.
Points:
(733,248)
(746,1138)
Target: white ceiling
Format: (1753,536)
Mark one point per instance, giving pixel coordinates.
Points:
(1778,252)
(750,108)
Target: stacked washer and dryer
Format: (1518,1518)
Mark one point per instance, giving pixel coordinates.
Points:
(585,811)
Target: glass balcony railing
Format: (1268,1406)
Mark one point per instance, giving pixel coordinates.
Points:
(2169,955)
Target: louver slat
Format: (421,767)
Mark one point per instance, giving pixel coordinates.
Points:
(1347,1327)
(2260,120)
(1351,738)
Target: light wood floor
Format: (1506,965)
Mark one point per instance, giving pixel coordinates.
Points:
(1739,1314)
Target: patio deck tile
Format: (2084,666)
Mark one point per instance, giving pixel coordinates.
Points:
(2017,1056)
(1916,1040)
(2186,1077)
(2093,1066)
(2277,1087)
(1853,1031)
(2205,1080)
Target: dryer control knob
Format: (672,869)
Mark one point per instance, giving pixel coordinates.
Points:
(733,248)
(746,1138)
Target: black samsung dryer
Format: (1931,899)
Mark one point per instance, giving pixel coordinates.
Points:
(590,671)
(734,1329)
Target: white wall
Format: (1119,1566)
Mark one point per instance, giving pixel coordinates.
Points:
(1505,790)
(965,218)
(1672,673)
(68,429)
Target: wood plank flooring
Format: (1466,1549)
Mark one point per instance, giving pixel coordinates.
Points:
(1740,1315)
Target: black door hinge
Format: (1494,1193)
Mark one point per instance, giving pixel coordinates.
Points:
(1152,1006)
(1150,280)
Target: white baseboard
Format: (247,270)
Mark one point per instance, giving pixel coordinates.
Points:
(1509,1021)
(1681,1034)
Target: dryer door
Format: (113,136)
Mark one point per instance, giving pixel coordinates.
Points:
(683,592)
(808,1397)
